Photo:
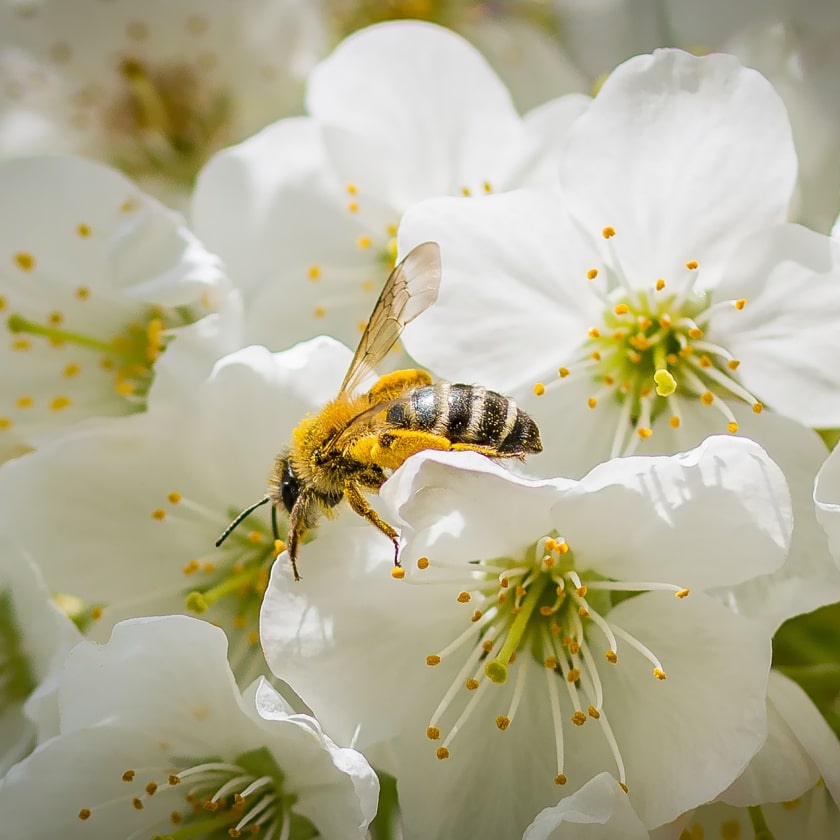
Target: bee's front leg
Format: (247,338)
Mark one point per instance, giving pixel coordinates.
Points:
(360,505)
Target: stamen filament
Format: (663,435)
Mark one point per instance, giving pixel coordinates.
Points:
(19,324)
(643,649)
(554,703)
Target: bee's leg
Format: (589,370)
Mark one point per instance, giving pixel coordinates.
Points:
(360,505)
(393,447)
(489,451)
(391,385)
(297,528)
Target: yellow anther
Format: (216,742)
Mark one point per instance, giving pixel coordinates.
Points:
(314,272)
(740,303)
(692,265)
(621,309)
(695,333)
(55,318)
(560,779)
(562,548)
(573,675)
(593,713)
(732,426)
(672,358)
(364,242)
(733,364)
(255,537)
(128,206)
(71,370)
(674,422)
(422,562)
(442,753)
(592,402)
(279,546)
(464,597)
(539,389)
(59,403)
(173,779)
(594,332)
(487,186)
(644,432)
(21,344)
(5,423)
(624,787)
(550,662)
(391,229)
(487,646)
(471,684)
(592,274)
(578,718)
(465,191)
(660,285)
(707,398)
(563,372)
(611,656)
(83,230)
(433,660)
(705,361)
(659,673)
(353,207)
(683,593)
(502,722)
(24,402)
(254,638)
(159,514)
(433,733)
(476,616)
(82,292)
(128,776)
(352,189)
(151,788)
(596,356)
(320,312)
(3,303)
(609,379)
(398,573)
(757,408)
(124,387)
(608,232)
(665,382)
(174,497)
(84,814)
(25,261)
(137,803)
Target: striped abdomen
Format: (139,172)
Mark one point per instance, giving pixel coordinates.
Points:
(467,414)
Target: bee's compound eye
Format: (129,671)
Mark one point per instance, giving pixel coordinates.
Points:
(289,488)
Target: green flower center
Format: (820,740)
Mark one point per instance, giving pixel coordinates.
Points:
(538,610)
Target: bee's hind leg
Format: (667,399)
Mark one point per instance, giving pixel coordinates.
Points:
(360,505)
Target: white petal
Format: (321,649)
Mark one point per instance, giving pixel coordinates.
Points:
(717,514)
(513,265)
(785,336)
(600,810)
(413,111)
(682,156)
(827,501)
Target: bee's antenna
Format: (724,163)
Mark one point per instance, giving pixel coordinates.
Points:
(247,512)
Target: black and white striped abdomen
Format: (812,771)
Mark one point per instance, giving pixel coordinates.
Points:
(467,414)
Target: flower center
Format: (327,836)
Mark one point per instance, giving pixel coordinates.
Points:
(166,120)
(538,610)
(651,353)
(215,799)
(17,681)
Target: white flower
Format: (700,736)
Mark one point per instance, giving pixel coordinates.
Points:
(95,277)
(827,501)
(133,506)
(512,607)
(156,740)
(305,213)
(153,88)
(702,289)
(34,636)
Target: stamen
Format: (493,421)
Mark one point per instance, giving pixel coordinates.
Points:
(658,670)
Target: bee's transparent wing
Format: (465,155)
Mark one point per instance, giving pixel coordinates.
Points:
(410,290)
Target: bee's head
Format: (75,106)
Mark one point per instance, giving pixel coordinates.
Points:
(288,481)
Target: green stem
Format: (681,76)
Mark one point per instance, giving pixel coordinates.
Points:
(760,828)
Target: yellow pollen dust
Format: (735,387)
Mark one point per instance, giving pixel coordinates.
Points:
(423,563)
(159,514)
(314,272)
(432,660)
(740,303)
(660,285)
(563,372)
(397,573)
(692,265)
(25,261)
(539,389)
(608,232)
(59,403)
(83,230)
(592,274)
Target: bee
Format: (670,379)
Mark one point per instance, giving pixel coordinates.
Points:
(355,441)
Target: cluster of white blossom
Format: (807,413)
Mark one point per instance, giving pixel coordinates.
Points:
(635,234)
